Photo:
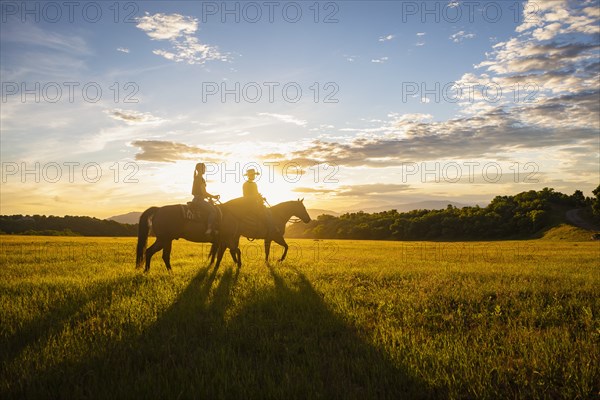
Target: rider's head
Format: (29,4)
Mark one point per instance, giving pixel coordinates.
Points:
(201,168)
(251,174)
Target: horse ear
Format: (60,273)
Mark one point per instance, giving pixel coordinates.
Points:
(302,201)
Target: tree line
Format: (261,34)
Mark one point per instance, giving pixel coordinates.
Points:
(517,216)
(64,226)
(506,217)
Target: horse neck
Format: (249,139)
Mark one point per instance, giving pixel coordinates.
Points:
(284,210)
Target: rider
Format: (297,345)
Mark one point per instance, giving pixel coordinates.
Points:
(256,200)
(201,196)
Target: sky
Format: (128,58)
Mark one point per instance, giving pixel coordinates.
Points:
(107,106)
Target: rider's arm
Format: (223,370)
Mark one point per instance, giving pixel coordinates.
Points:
(200,189)
(208,195)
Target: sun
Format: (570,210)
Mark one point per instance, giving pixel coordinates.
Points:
(226,179)
(278,181)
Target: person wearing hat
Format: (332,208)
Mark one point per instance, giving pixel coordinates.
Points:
(250,189)
(256,200)
(201,196)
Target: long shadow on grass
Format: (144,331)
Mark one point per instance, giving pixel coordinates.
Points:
(226,339)
(65,307)
(281,342)
(114,369)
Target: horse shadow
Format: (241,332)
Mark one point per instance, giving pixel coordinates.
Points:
(59,311)
(223,339)
(284,341)
(305,350)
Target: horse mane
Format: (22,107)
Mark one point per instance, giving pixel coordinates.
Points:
(283,204)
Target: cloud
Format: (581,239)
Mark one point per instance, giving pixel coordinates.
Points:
(574,17)
(547,32)
(527,56)
(560,36)
(406,138)
(357,191)
(312,190)
(165,151)
(288,119)
(420,36)
(123,49)
(167,27)
(386,38)
(460,36)
(179,30)
(33,36)
(380,60)
(546,73)
(57,55)
(133,117)
(372,189)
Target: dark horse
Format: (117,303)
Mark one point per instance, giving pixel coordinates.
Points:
(169,223)
(237,221)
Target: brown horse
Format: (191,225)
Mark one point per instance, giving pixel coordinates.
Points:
(238,221)
(169,223)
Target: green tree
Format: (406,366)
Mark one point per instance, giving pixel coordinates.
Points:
(596,203)
(578,199)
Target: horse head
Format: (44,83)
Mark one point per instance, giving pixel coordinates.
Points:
(300,211)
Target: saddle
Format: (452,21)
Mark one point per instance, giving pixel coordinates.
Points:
(191,212)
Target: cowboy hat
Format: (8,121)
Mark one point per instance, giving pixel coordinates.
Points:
(251,171)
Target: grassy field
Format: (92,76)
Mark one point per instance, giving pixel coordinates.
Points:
(338,320)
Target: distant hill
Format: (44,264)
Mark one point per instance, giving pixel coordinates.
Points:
(129,218)
(315,212)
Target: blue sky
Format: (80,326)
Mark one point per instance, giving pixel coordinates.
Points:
(361,135)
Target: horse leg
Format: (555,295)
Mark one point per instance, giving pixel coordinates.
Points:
(213,253)
(281,241)
(234,249)
(267,249)
(220,253)
(156,246)
(238,252)
(235,252)
(166,256)
(234,255)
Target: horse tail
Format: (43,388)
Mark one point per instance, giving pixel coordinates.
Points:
(143,229)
